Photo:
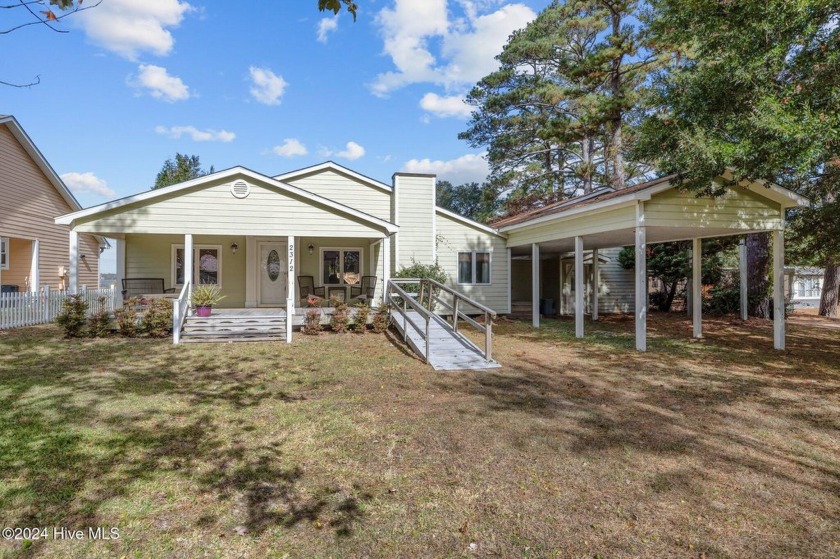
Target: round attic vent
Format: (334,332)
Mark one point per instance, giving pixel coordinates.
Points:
(240,189)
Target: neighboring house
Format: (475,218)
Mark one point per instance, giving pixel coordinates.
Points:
(33,248)
(252,234)
(803,285)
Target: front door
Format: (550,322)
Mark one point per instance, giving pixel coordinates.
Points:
(273,274)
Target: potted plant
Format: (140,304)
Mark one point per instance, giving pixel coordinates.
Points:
(204,297)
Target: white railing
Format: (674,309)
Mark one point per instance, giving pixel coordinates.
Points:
(29,309)
(181,306)
(459,306)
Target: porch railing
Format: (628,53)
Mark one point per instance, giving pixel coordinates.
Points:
(30,309)
(400,301)
(181,306)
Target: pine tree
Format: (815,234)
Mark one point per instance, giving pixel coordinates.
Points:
(181,168)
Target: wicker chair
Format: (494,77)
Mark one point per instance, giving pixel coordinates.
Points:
(307,288)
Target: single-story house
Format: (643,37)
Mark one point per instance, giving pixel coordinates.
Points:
(254,234)
(33,248)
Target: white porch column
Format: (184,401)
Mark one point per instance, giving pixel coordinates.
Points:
(119,246)
(188,262)
(696,285)
(73,272)
(742,267)
(509,275)
(535,285)
(596,282)
(34,270)
(386,264)
(560,295)
(579,287)
(290,287)
(689,291)
(641,279)
(779,289)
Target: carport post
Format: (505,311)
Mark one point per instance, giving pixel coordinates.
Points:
(696,285)
(73,272)
(579,287)
(535,285)
(641,279)
(596,274)
(779,289)
(742,265)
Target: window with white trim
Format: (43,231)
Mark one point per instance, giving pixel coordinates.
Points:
(341,266)
(4,253)
(474,267)
(207,265)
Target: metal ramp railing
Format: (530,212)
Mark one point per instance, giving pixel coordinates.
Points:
(429,334)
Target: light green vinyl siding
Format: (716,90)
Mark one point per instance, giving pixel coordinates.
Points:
(150,256)
(212,209)
(738,209)
(618,218)
(415,217)
(348,191)
(454,236)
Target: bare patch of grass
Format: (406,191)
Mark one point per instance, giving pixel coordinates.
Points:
(349,446)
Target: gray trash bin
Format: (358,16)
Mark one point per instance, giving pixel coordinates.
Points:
(547,307)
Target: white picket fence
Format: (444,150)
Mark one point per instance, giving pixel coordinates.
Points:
(29,309)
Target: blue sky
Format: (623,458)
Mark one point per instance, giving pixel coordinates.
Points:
(273,86)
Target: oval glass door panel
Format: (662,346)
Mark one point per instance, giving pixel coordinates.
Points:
(272,265)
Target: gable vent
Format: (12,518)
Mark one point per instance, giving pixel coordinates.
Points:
(240,189)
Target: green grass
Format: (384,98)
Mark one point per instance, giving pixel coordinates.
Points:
(347,446)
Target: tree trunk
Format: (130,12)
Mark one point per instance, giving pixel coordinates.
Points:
(616,141)
(758,274)
(830,297)
(666,305)
(586,151)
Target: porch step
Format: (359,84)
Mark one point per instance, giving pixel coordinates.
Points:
(234,328)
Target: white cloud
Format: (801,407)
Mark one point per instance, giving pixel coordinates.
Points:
(131,27)
(267,86)
(208,135)
(445,106)
(290,148)
(87,183)
(160,84)
(326,26)
(467,168)
(352,151)
(468,46)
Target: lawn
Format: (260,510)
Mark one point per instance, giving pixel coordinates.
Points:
(347,446)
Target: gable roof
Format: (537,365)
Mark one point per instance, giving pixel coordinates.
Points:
(11,123)
(333,166)
(29,146)
(643,191)
(70,218)
(467,221)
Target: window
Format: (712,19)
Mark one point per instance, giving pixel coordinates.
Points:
(474,268)
(207,265)
(808,287)
(4,253)
(340,266)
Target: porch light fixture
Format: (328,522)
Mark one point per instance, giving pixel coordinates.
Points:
(311,249)
(234,247)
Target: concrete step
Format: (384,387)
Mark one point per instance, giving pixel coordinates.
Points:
(230,339)
(253,327)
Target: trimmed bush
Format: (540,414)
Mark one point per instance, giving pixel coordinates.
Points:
(73,317)
(381,319)
(99,323)
(126,318)
(339,317)
(157,318)
(362,313)
(312,322)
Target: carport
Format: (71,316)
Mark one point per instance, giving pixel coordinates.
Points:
(657,211)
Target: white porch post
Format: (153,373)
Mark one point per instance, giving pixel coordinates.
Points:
(34,270)
(579,287)
(119,246)
(188,262)
(696,285)
(596,275)
(689,291)
(73,272)
(779,289)
(509,275)
(641,279)
(535,285)
(742,266)
(560,295)
(386,265)
(290,288)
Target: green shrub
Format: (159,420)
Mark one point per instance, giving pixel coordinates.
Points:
(381,319)
(99,323)
(126,318)
(73,317)
(723,299)
(339,317)
(423,271)
(312,322)
(157,318)
(362,313)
